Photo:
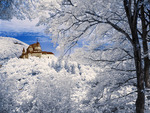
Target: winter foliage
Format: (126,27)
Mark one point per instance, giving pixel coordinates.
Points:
(106,72)
(59,86)
(34,85)
(48,85)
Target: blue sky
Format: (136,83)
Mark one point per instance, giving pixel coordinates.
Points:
(28,32)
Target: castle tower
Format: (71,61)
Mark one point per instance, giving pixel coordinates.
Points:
(30,49)
(38,47)
(23,51)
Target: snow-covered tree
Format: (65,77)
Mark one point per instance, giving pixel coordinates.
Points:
(144,33)
(76,20)
(17,8)
(6,9)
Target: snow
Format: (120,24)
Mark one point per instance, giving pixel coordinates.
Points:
(41,82)
(49,85)
(41,85)
(10,48)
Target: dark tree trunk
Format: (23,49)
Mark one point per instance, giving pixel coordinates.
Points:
(140,102)
(145,48)
(132,16)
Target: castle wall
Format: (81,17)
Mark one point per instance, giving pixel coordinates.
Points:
(36,55)
(37,48)
(30,49)
(47,56)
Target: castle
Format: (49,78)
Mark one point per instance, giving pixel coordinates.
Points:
(35,50)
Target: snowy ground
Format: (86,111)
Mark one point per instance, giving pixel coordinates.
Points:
(10,48)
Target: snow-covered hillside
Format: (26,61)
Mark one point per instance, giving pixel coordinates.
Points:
(51,86)
(10,48)
(43,85)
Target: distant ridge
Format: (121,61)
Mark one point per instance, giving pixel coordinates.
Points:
(10,48)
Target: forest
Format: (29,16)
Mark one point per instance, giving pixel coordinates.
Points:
(103,66)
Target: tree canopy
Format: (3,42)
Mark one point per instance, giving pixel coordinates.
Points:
(119,28)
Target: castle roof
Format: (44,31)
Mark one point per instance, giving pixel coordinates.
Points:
(34,45)
(45,52)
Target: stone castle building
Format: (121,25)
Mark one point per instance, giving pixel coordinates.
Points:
(35,50)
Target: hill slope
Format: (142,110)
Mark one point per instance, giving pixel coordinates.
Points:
(10,48)
(43,85)
(48,85)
